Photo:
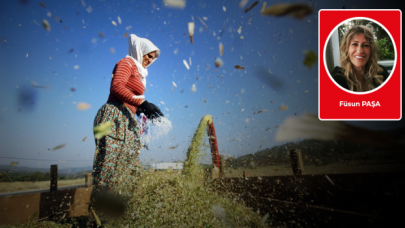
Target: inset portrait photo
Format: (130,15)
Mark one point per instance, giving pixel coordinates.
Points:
(360,55)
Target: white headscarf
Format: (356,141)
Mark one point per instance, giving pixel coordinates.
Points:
(138,47)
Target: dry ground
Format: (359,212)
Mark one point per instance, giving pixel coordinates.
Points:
(21,186)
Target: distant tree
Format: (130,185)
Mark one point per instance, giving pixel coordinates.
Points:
(386,49)
(47,176)
(23,178)
(4,178)
(38,176)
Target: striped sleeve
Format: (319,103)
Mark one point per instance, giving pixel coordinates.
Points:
(122,81)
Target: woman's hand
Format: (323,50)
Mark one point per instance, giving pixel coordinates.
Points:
(150,110)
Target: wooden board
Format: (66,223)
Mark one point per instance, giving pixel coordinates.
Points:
(20,209)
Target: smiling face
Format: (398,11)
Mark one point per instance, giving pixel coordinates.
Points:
(148,58)
(359,51)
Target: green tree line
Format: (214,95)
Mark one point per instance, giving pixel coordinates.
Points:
(36,176)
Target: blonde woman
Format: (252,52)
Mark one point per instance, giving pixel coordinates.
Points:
(359,71)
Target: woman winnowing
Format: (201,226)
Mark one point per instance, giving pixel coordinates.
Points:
(116,161)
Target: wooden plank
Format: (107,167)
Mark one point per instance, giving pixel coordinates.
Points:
(214,172)
(296,162)
(81,202)
(300,161)
(222,166)
(20,209)
(88,180)
(54,178)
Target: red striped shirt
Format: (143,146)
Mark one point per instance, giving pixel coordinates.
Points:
(126,82)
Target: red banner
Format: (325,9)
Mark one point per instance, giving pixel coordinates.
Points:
(338,103)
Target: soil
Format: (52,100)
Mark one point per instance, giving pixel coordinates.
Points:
(319,200)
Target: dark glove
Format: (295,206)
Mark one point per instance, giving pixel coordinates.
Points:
(150,110)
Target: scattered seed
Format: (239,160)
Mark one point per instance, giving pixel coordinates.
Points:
(263,8)
(239,67)
(202,22)
(239,29)
(191,31)
(243,3)
(173,147)
(251,6)
(264,110)
(83,106)
(221,49)
(13,163)
(193,88)
(218,62)
(89,9)
(102,129)
(297,10)
(310,59)
(330,180)
(283,107)
(186,64)
(175,3)
(46,25)
(59,146)
(35,85)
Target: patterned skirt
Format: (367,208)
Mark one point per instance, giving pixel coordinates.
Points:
(116,166)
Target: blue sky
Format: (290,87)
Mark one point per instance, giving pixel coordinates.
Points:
(29,53)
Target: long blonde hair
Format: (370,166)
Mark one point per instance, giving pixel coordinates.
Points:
(371,68)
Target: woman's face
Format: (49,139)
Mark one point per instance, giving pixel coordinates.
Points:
(148,58)
(359,50)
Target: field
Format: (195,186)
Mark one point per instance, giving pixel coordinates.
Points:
(332,168)
(171,199)
(335,200)
(276,170)
(21,186)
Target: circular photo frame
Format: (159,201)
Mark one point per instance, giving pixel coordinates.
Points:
(383,54)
